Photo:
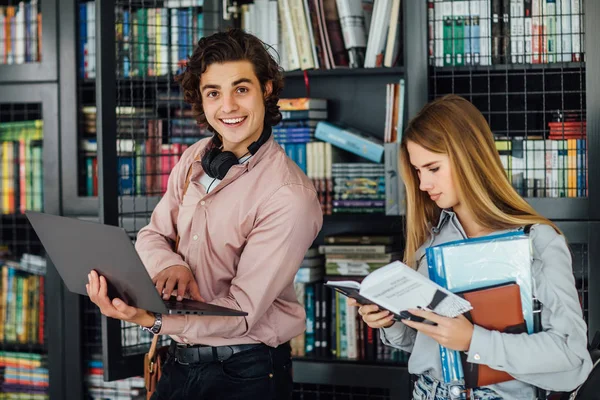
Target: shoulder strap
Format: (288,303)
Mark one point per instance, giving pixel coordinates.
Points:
(152,350)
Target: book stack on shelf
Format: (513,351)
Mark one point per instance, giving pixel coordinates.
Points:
(23,376)
(21,169)
(346,184)
(21,38)
(22,301)
(488,32)
(23,369)
(125,389)
(334,330)
(551,167)
(328,34)
(145,155)
(150,41)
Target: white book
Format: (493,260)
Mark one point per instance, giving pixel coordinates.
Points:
(439,33)
(555,167)
(576,21)
(288,34)
(397,288)
(485,43)
(392,37)
(20,34)
(174,41)
(273,30)
(565,22)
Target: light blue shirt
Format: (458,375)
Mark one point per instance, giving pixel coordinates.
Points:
(556,359)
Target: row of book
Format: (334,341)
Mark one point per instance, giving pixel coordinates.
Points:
(23,376)
(551,167)
(21,166)
(149,41)
(359,255)
(20,33)
(22,300)
(124,389)
(327,34)
(486,32)
(333,329)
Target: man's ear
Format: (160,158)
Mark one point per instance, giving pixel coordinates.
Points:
(268,89)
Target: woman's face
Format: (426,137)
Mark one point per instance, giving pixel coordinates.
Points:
(435,175)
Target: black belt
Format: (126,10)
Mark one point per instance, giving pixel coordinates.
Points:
(185,354)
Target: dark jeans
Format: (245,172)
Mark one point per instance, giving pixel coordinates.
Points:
(259,373)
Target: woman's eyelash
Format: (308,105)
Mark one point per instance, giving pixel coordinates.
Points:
(436,169)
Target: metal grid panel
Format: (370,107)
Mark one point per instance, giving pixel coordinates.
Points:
(152,40)
(22,265)
(154,125)
(533,98)
(305,391)
(21,36)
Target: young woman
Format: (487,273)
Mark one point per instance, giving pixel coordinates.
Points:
(456,188)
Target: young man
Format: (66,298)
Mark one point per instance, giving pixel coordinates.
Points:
(244,224)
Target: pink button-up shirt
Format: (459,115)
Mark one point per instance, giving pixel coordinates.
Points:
(244,242)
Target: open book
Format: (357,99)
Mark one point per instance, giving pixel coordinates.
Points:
(397,287)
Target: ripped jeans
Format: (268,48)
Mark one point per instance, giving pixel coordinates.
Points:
(428,388)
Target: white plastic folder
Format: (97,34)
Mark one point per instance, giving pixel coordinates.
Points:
(478,263)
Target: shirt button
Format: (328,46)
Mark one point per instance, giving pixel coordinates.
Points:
(202,203)
(477,357)
(195,237)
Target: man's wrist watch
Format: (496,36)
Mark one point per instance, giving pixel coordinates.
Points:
(154,329)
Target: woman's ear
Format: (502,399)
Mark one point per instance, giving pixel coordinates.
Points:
(268,89)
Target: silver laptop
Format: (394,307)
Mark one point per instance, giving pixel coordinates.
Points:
(76,247)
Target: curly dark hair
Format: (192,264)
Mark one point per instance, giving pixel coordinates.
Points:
(232,45)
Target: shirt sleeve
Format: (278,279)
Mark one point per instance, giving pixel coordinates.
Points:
(156,241)
(286,227)
(399,336)
(556,358)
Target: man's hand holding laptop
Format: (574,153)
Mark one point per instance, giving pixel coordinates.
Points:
(174,278)
(97,289)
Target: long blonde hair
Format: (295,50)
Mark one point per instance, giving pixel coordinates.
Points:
(451,125)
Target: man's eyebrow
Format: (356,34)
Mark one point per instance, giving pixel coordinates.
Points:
(235,83)
(209,86)
(242,80)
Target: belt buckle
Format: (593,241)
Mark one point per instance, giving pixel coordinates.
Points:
(178,356)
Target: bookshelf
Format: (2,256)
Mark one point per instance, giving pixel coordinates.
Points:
(33,54)
(357,97)
(32,317)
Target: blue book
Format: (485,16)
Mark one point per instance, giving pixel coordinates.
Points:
(351,140)
(477,263)
(300,154)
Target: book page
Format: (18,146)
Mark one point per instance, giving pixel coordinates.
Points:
(397,287)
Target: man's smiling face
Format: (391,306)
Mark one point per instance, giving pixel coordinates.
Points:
(233,103)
